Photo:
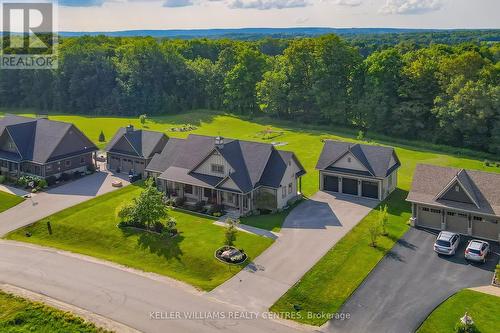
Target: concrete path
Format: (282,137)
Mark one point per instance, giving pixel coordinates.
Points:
(47,203)
(13,190)
(251,230)
(309,231)
(408,284)
(490,290)
(148,304)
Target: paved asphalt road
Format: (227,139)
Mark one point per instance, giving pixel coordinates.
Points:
(408,284)
(56,199)
(120,295)
(307,234)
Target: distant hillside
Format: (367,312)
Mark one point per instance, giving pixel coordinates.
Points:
(256,33)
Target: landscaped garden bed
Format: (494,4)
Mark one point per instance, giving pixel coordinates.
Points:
(230,255)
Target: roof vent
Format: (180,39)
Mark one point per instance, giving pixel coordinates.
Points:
(219,142)
(130,128)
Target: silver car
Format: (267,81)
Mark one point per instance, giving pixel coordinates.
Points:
(447,243)
(477,250)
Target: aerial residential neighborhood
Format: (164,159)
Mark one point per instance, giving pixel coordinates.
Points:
(250,166)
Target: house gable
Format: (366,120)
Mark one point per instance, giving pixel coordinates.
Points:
(124,146)
(214,158)
(7,144)
(228,183)
(350,162)
(456,192)
(72,142)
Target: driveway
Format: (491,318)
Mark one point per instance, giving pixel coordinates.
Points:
(47,203)
(122,295)
(408,284)
(308,232)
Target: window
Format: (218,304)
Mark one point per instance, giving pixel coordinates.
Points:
(207,193)
(435,211)
(477,218)
(217,168)
(290,187)
(462,215)
(425,209)
(82,160)
(283,192)
(348,160)
(67,163)
(188,189)
(48,167)
(457,188)
(450,213)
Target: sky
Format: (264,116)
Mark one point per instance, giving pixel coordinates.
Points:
(113,15)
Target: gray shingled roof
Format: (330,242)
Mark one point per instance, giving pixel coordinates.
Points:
(145,143)
(376,159)
(41,140)
(254,163)
(429,181)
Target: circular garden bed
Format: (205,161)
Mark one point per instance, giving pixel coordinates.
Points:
(230,255)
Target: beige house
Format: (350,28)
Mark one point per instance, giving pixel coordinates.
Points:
(243,176)
(458,200)
(358,169)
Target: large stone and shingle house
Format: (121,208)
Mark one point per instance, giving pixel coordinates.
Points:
(131,150)
(358,169)
(42,147)
(241,175)
(458,200)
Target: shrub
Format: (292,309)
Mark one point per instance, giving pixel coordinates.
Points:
(179,201)
(102,138)
(2,179)
(231,231)
(497,164)
(361,135)
(91,168)
(217,214)
(51,180)
(487,163)
(497,274)
(43,183)
(214,208)
(143,118)
(158,227)
(374,231)
(198,206)
(465,328)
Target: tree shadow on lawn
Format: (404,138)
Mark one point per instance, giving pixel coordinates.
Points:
(167,248)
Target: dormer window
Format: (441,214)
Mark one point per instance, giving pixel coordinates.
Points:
(457,188)
(217,168)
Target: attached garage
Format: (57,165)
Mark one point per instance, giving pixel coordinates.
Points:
(488,229)
(429,217)
(127,165)
(331,183)
(369,189)
(114,162)
(350,186)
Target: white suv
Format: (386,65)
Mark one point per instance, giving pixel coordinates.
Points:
(477,250)
(447,243)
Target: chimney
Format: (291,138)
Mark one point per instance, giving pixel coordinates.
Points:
(219,142)
(130,128)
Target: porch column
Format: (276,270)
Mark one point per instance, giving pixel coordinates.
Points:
(240,199)
(200,193)
(18,169)
(359,188)
(300,185)
(340,184)
(218,197)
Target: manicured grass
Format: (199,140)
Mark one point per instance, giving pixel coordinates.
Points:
(18,315)
(271,222)
(8,200)
(332,280)
(90,228)
(484,310)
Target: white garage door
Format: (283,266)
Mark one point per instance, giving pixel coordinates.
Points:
(429,217)
(486,229)
(456,222)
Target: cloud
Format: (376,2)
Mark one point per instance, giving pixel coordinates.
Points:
(81,3)
(348,3)
(409,7)
(267,4)
(178,3)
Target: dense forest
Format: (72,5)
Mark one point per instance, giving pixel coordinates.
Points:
(434,92)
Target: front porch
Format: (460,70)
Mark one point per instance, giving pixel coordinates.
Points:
(232,202)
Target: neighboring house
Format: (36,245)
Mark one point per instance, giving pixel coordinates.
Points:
(131,150)
(458,200)
(243,176)
(358,169)
(42,147)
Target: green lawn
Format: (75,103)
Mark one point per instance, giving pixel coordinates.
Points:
(90,228)
(8,200)
(18,315)
(484,310)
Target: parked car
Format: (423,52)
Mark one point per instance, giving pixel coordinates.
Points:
(447,243)
(477,250)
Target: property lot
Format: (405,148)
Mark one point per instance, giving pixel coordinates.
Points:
(409,283)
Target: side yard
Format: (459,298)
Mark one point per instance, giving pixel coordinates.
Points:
(90,228)
(330,282)
(483,308)
(8,200)
(18,315)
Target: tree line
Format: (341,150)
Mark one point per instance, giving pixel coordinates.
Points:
(439,93)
